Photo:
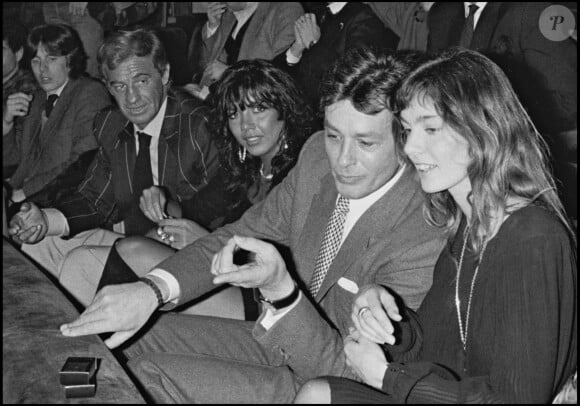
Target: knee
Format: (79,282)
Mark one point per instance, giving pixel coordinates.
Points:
(130,246)
(314,391)
(71,264)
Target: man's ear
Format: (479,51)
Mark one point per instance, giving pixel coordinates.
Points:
(165,76)
(19,54)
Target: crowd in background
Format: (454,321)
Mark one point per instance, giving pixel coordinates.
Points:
(368,156)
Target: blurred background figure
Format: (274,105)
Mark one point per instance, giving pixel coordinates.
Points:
(542,71)
(324,35)
(16,78)
(241,30)
(407,19)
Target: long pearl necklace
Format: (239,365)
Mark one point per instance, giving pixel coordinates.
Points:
(463,334)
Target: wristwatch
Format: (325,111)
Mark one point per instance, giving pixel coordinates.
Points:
(280,303)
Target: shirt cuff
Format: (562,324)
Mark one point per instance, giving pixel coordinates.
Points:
(171,285)
(291,59)
(271,316)
(57,223)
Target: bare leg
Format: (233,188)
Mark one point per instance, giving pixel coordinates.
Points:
(314,391)
(142,254)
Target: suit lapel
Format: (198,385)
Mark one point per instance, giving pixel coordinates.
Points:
(486,26)
(312,234)
(228,22)
(168,140)
(254,26)
(379,219)
(59,111)
(128,151)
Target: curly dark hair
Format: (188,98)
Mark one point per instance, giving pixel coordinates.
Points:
(253,83)
(60,40)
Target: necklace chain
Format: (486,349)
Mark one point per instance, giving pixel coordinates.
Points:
(463,334)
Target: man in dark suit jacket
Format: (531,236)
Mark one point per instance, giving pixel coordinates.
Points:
(53,150)
(542,71)
(321,39)
(299,335)
(182,155)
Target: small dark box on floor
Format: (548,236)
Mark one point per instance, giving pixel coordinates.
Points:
(81,391)
(78,371)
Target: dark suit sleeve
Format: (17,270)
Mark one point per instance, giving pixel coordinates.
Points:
(198,158)
(93,204)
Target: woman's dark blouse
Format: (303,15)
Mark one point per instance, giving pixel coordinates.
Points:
(214,206)
(522,338)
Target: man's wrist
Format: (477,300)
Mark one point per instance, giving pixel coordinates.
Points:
(281,303)
(281,290)
(153,286)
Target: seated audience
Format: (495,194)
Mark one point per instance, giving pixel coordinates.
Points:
(16,78)
(350,213)
(527,56)
(319,40)
(243,30)
(499,323)
(259,121)
(154,136)
(54,141)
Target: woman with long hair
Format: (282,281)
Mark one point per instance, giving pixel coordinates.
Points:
(499,322)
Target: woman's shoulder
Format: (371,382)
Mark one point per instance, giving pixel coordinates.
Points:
(531,222)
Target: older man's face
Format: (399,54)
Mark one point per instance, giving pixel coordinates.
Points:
(138,88)
(360,148)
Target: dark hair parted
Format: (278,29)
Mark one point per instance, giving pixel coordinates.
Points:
(122,45)
(15,35)
(60,40)
(247,84)
(369,78)
(509,166)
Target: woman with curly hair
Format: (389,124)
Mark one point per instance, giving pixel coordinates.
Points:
(499,322)
(260,122)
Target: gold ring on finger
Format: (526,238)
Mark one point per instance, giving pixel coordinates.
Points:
(362,311)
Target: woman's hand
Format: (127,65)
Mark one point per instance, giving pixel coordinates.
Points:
(181,232)
(366,358)
(373,311)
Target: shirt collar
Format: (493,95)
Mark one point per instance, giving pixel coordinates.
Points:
(246,13)
(479,4)
(336,6)
(154,127)
(365,202)
(59,90)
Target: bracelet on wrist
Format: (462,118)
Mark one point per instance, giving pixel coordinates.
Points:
(155,288)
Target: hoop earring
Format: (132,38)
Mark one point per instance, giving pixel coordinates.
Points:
(242,154)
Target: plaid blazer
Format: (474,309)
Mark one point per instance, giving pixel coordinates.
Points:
(187,160)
